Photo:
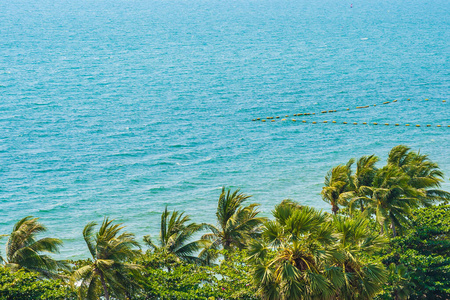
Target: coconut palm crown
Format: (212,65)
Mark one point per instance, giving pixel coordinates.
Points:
(175,236)
(423,173)
(237,224)
(337,182)
(392,199)
(363,178)
(110,269)
(24,250)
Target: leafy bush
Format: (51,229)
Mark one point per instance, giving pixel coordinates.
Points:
(166,278)
(425,253)
(24,285)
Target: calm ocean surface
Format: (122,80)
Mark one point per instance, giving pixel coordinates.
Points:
(118,108)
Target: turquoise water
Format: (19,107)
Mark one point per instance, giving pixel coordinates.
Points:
(118,108)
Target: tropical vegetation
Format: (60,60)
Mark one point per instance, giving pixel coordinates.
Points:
(110,271)
(175,238)
(25,251)
(387,237)
(236,224)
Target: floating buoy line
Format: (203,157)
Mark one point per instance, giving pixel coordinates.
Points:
(353,123)
(285,117)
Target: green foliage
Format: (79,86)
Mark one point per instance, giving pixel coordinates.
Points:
(110,272)
(392,199)
(24,285)
(422,173)
(237,224)
(337,183)
(409,180)
(306,254)
(175,237)
(24,250)
(358,182)
(434,220)
(363,276)
(425,253)
(182,280)
(232,277)
(302,253)
(398,285)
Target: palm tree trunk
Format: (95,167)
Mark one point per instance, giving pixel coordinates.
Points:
(226,247)
(227,244)
(394,232)
(105,288)
(334,209)
(361,205)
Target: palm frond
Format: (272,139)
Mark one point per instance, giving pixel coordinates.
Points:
(89,238)
(111,250)
(23,250)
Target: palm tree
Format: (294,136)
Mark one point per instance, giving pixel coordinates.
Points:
(110,268)
(290,261)
(236,224)
(423,173)
(175,235)
(399,156)
(392,198)
(363,178)
(408,181)
(24,250)
(359,278)
(337,182)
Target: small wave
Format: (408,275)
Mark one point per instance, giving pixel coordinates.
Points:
(50,170)
(41,103)
(178,146)
(57,189)
(80,180)
(127,154)
(121,134)
(58,206)
(7,118)
(156,188)
(164,163)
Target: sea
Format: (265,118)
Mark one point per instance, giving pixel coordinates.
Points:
(119,108)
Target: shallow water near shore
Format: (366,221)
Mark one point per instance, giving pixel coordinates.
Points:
(119,108)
